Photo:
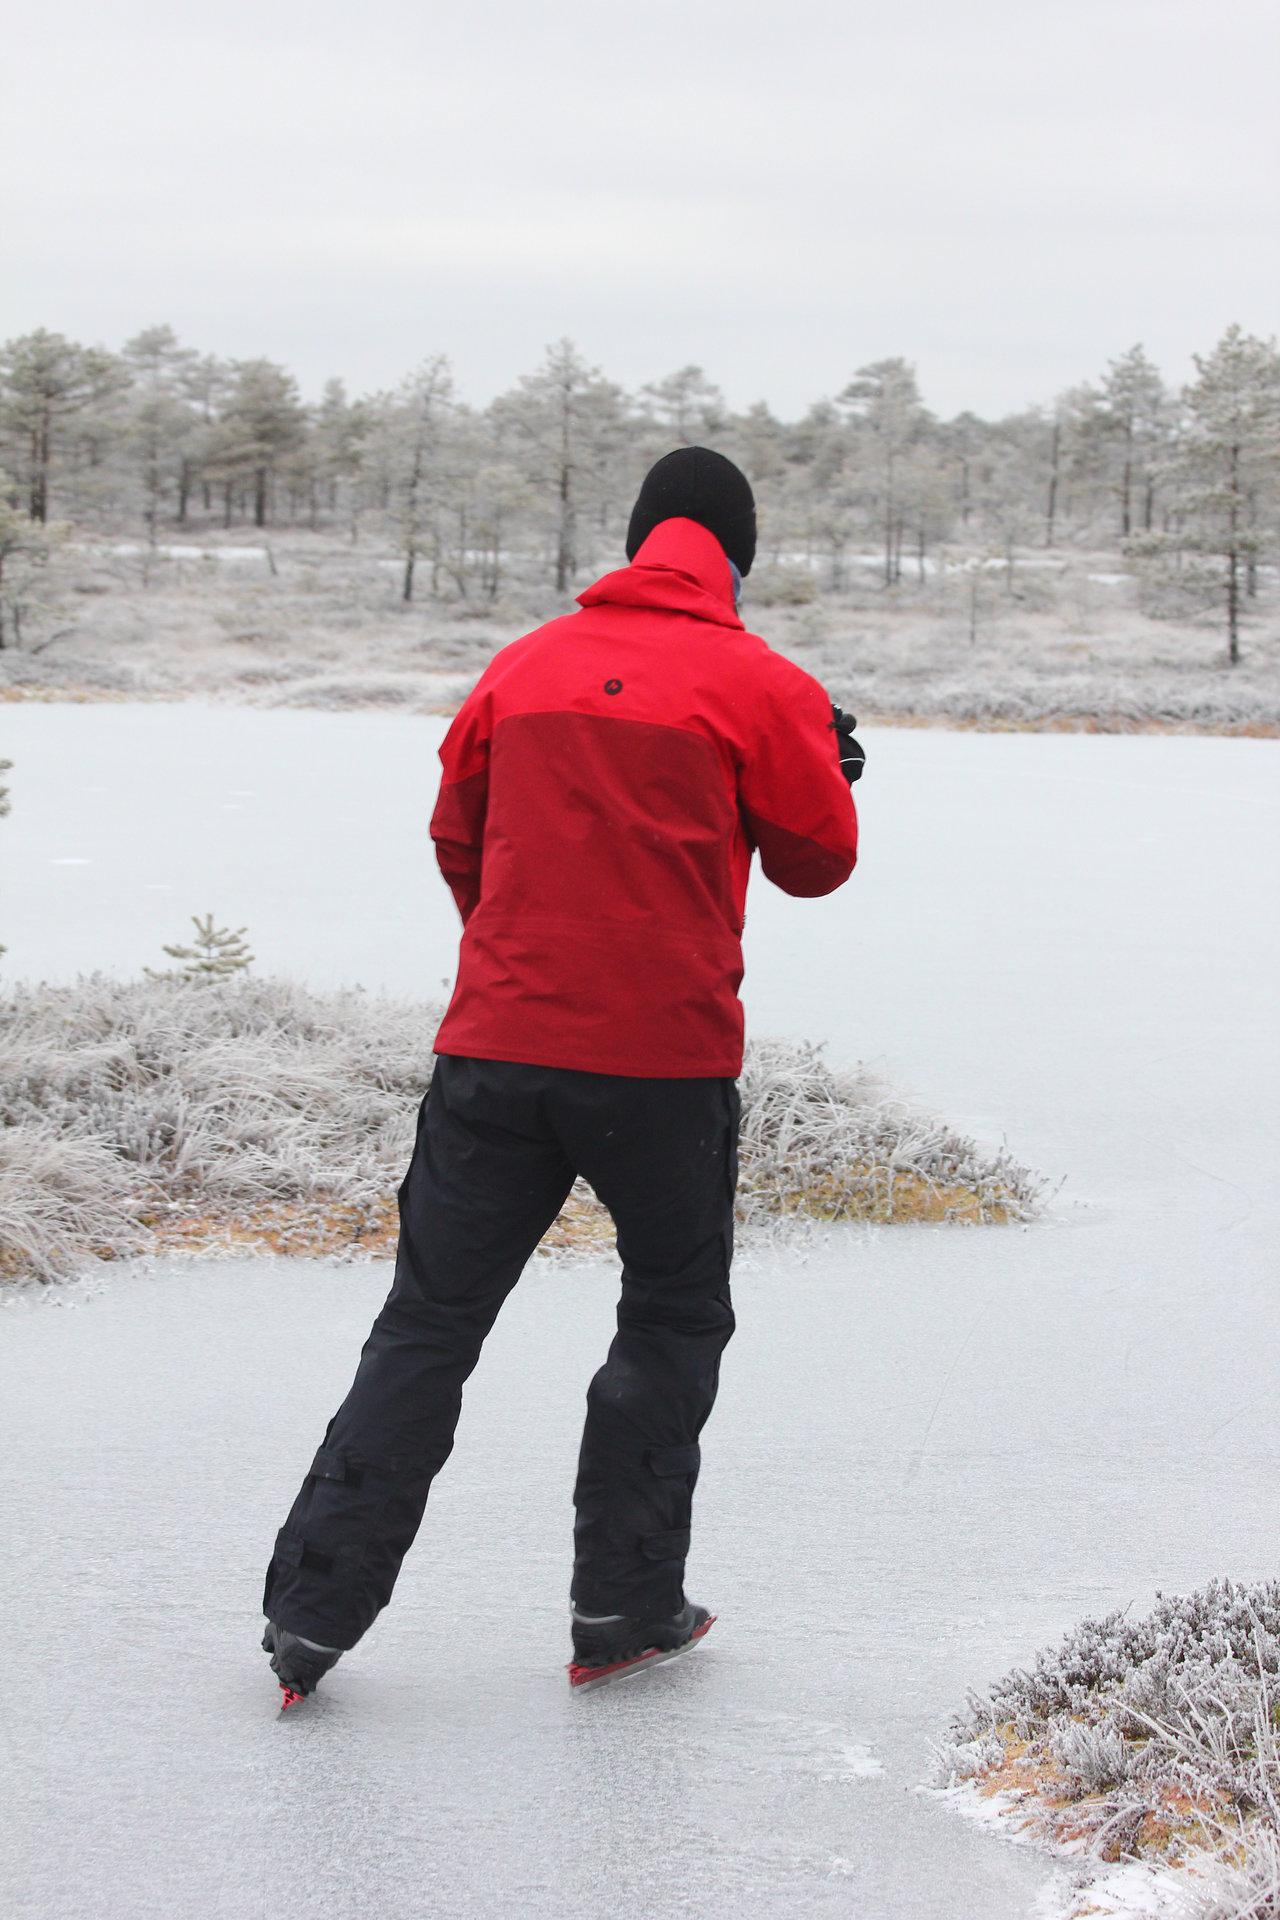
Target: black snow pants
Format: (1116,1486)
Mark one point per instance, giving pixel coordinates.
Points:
(498,1146)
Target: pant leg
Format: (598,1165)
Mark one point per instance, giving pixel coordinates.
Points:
(486,1180)
(662,1156)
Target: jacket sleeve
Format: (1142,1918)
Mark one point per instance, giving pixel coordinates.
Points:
(457,824)
(794,799)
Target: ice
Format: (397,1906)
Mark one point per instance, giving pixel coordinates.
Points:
(934,1450)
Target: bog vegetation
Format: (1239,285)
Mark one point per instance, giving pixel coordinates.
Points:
(1153,1740)
(213,1109)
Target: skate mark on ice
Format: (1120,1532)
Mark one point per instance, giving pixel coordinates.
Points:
(822,1749)
(915,1458)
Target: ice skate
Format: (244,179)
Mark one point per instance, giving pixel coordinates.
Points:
(298,1664)
(609,1646)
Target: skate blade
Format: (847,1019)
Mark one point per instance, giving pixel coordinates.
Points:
(289,1697)
(583,1679)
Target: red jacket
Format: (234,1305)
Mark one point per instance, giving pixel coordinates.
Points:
(605,785)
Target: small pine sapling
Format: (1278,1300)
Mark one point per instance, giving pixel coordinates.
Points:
(214,953)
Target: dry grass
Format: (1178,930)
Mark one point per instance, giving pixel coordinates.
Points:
(258,1115)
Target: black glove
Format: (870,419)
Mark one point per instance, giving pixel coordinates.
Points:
(852,758)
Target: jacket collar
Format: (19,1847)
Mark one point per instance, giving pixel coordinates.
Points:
(680,568)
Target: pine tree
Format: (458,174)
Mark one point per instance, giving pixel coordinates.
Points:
(416,429)
(214,953)
(1228,460)
(159,422)
(884,402)
(1133,403)
(565,421)
(262,424)
(827,494)
(206,383)
(27,550)
(45,381)
(336,452)
(688,405)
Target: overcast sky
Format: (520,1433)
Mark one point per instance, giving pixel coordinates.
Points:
(1006,192)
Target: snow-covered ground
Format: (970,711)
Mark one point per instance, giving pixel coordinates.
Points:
(313,621)
(934,1449)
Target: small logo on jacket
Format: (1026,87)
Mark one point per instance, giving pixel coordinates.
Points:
(613,686)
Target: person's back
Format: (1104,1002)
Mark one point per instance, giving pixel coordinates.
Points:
(605,786)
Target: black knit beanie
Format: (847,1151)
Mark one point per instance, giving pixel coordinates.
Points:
(693,483)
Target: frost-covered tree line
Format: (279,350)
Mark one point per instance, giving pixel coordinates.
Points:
(1186,482)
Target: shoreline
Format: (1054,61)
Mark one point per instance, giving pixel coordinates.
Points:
(1091,723)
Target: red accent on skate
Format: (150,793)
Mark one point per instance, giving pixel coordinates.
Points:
(289,1696)
(580,1676)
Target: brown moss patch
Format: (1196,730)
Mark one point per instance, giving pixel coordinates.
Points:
(325,1227)
(889,1196)
(1176,1821)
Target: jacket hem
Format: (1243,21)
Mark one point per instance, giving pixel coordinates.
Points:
(726,1068)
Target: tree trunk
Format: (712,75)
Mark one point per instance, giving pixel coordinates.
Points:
(1051,505)
(260,497)
(1251,556)
(410,560)
(40,469)
(1233,560)
(226,504)
(564,536)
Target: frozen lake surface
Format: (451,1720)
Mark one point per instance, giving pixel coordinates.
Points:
(934,1450)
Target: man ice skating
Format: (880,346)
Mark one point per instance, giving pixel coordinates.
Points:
(604,787)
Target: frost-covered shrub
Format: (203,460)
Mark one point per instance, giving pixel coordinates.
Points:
(969,1758)
(128,1106)
(1091,1757)
(1157,1738)
(835,1142)
(1241,1881)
